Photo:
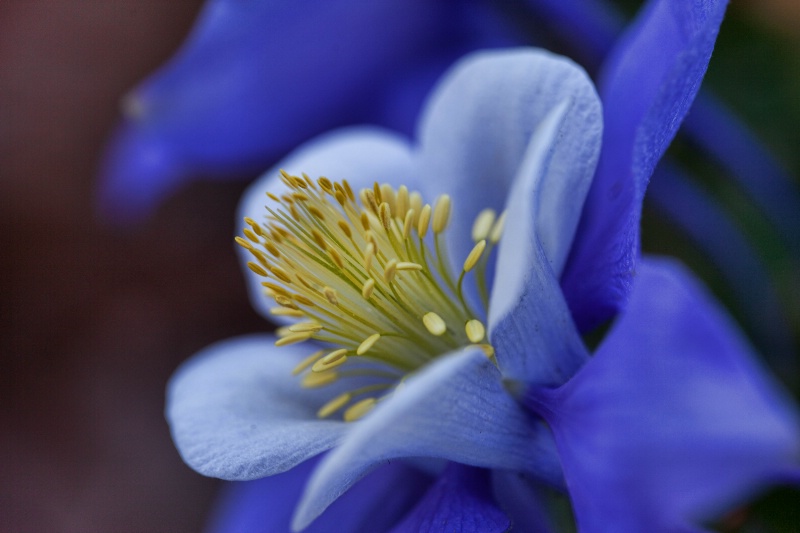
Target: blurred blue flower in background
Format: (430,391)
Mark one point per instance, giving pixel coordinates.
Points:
(669,424)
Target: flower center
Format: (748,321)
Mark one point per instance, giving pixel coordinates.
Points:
(370,280)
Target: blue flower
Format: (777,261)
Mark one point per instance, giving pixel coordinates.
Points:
(670,422)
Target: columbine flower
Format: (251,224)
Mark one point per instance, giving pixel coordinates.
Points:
(399,354)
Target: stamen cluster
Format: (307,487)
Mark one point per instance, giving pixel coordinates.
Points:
(361,278)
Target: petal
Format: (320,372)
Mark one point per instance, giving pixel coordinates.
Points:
(672,421)
(360,155)
(750,287)
(460,500)
(648,84)
(478,125)
(265,505)
(456,409)
(257,77)
(523,501)
(136,171)
(236,411)
(529,323)
(766,182)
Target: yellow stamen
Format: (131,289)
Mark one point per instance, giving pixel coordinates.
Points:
(359,409)
(293,338)
(474,255)
(368,343)
(475,331)
(434,323)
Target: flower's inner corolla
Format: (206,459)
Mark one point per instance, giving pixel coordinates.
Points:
(370,280)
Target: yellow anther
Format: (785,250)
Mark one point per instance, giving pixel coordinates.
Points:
(332,360)
(334,405)
(341,197)
(325,184)
(281,274)
(337,259)
(312,380)
(300,197)
(385,214)
(475,331)
(434,323)
(277,289)
(330,295)
(243,243)
(376,190)
(299,298)
(316,212)
(348,190)
(368,343)
(424,220)
(307,362)
(474,255)
(390,270)
(401,202)
(271,248)
(284,300)
(483,224)
(293,338)
(367,288)
(488,349)
(345,227)
(273,197)
(257,269)
(286,311)
(497,230)
(441,213)
(259,255)
(359,409)
(319,239)
(405,265)
(250,235)
(303,327)
(369,253)
(388,196)
(408,223)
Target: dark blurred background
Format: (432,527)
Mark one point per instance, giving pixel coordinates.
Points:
(95,317)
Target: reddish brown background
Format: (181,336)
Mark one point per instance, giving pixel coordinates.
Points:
(94,317)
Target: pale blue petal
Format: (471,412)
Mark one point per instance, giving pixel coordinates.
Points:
(648,85)
(236,411)
(672,422)
(478,125)
(360,155)
(460,500)
(529,323)
(455,409)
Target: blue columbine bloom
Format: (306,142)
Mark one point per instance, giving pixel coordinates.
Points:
(669,423)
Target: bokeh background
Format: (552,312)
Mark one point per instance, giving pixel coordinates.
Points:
(95,316)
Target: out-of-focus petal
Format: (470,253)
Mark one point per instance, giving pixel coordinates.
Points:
(427,418)
(256,78)
(236,411)
(360,155)
(530,325)
(752,291)
(647,86)
(477,126)
(266,505)
(460,500)
(522,501)
(138,169)
(764,180)
(672,421)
